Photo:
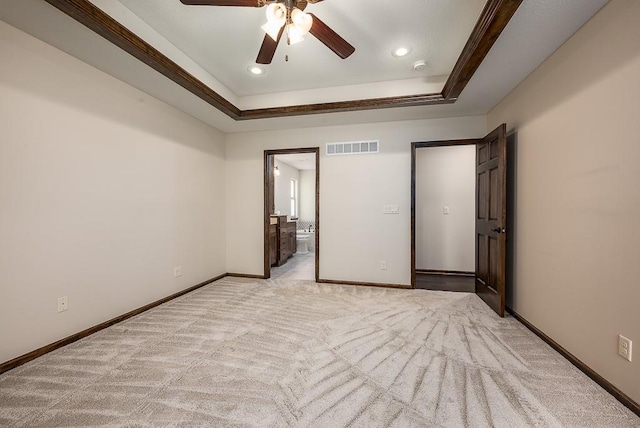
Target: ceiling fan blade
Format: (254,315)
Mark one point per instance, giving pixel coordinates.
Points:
(330,38)
(268,48)
(246,3)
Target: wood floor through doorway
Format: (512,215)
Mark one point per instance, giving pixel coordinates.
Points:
(427,281)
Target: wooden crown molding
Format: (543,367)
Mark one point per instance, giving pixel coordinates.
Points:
(494,18)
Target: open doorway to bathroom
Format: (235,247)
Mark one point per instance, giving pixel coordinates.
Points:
(291,207)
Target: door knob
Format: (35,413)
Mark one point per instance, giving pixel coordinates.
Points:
(499,230)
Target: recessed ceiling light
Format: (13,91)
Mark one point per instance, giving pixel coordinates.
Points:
(401,51)
(255,70)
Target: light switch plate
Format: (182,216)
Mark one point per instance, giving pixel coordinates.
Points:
(445,210)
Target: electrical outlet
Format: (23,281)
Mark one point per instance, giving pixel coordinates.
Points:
(63,303)
(625,347)
(445,210)
(383,265)
(177,271)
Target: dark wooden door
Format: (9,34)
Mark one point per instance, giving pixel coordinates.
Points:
(491,218)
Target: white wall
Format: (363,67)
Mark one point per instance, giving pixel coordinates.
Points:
(103,190)
(307,190)
(445,177)
(282,186)
(354,234)
(577,234)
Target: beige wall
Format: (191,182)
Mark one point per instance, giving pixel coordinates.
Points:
(446,177)
(577,233)
(103,190)
(354,234)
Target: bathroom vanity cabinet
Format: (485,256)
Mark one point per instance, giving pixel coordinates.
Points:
(285,240)
(273,244)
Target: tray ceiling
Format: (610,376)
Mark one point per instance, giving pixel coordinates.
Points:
(224,41)
(205,51)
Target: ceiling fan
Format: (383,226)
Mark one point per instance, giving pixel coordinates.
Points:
(286,16)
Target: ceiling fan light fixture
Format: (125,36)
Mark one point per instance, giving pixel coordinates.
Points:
(277,13)
(302,21)
(294,35)
(272,30)
(276,18)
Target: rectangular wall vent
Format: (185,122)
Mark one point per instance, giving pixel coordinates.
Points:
(353,148)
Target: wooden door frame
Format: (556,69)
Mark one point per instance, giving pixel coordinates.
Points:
(267,223)
(414,147)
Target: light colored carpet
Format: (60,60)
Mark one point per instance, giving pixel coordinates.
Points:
(294,353)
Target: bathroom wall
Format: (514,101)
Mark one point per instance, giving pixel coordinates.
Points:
(445,177)
(282,186)
(307,219)
(307,192)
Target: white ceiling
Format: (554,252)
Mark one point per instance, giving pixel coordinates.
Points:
(219,54)
(301,161)
(225,41)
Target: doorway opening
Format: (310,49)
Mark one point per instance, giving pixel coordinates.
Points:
(447,242)
(445,223)
(291,213)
